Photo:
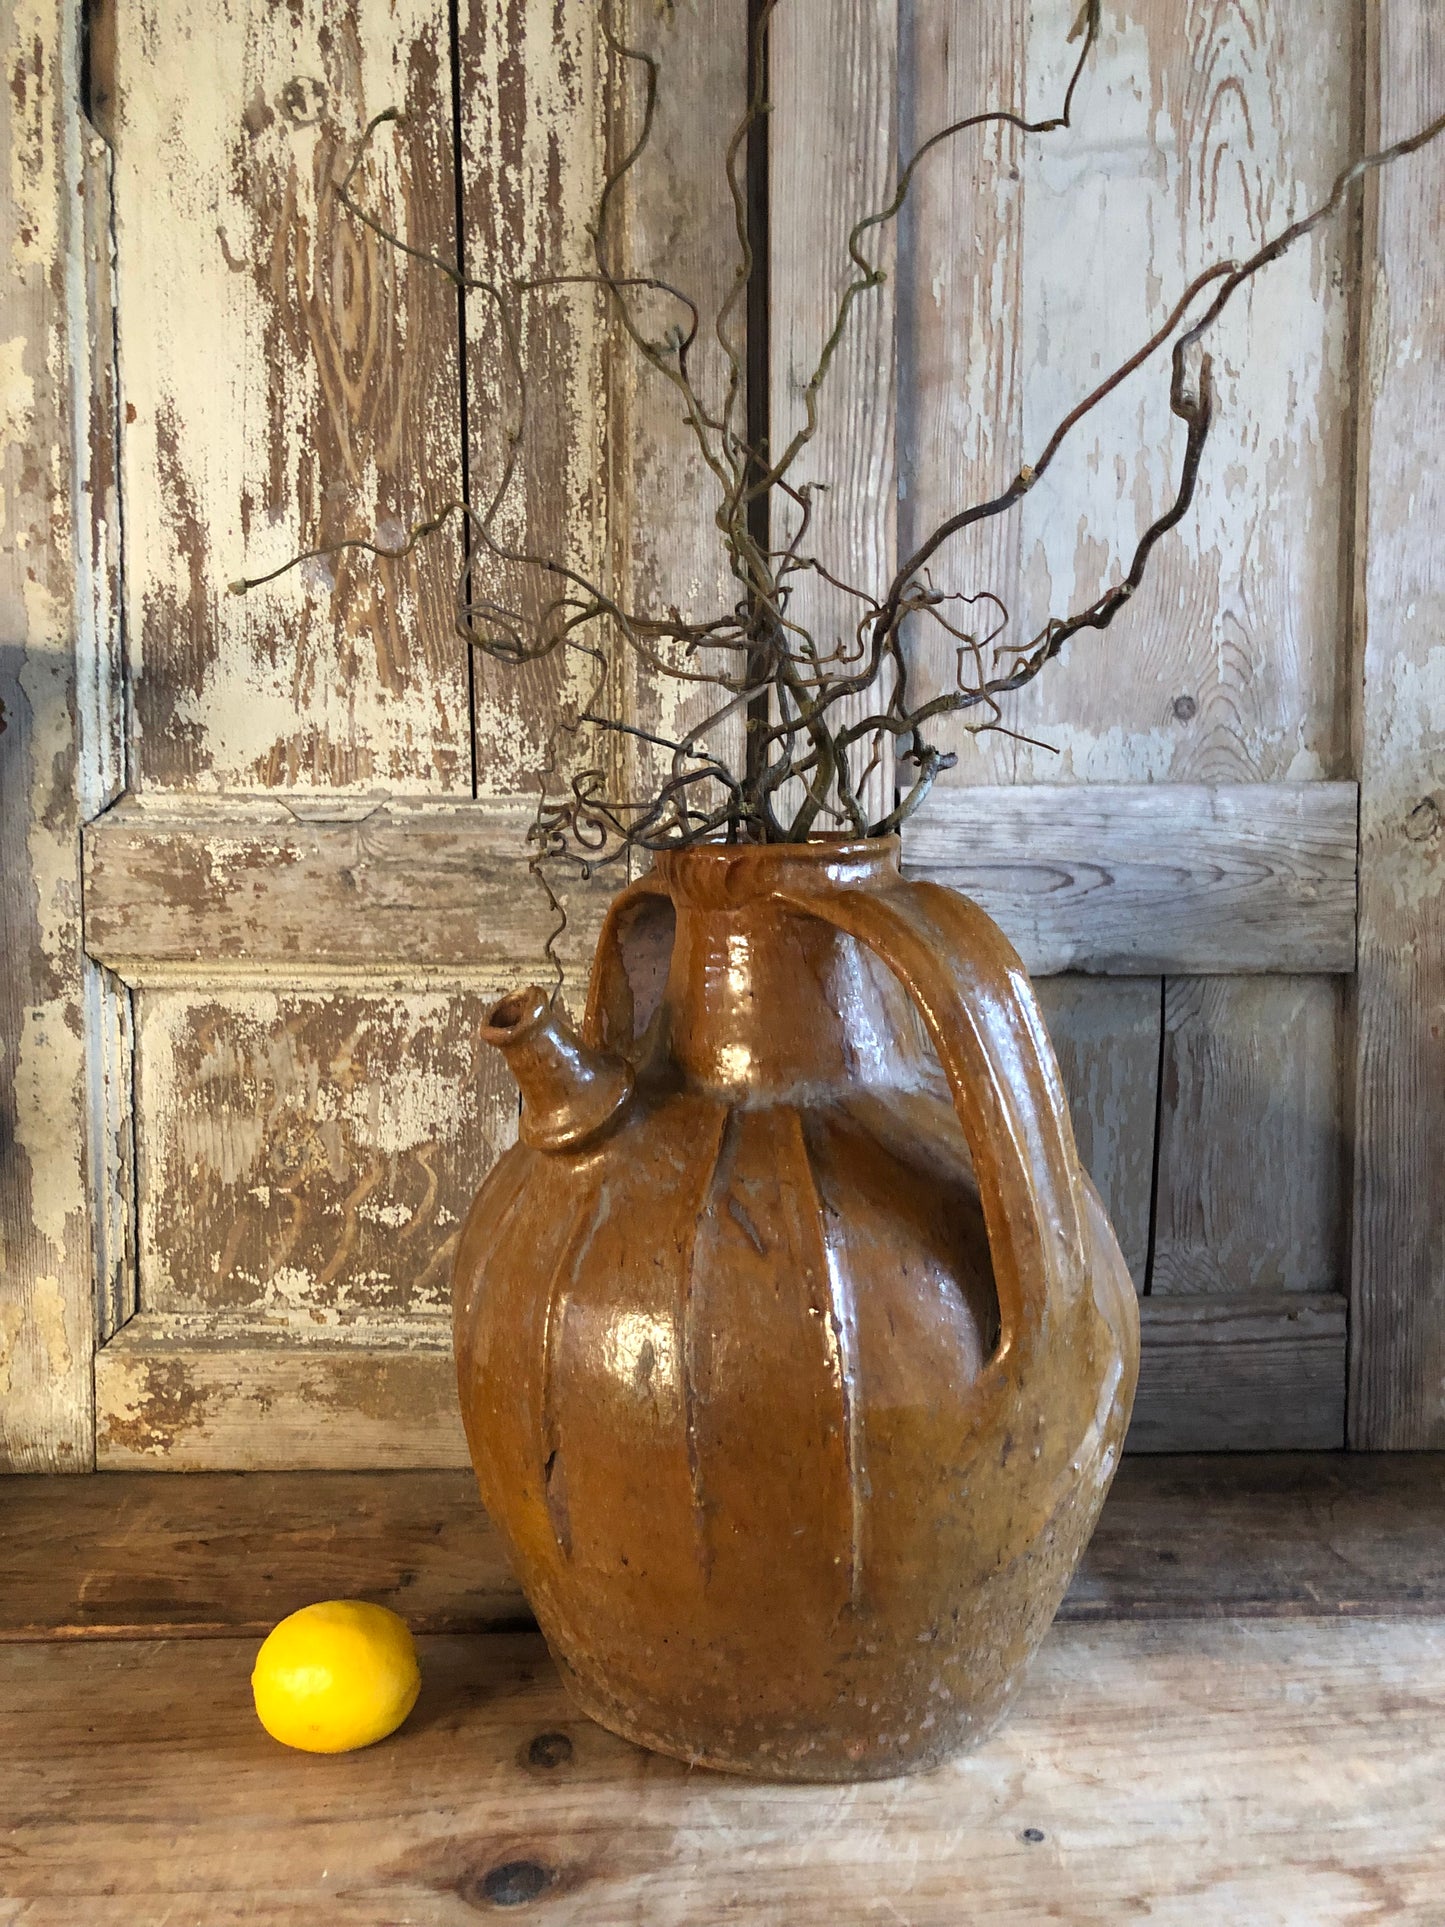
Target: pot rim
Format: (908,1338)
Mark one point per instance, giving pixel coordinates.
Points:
(722,875)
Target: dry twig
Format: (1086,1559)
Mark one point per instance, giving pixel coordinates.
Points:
(757,660)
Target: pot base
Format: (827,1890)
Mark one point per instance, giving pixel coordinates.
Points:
(821,1763)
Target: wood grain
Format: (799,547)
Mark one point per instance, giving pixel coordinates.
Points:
(209,1394)
(681,227)
(130,1555)
(385,889)
(1141,880)
(1244,1374)
(1264,1772)
(46,1278)
(310,1158)
(832,158)
(1106,1036)
(1252,1151)
(290,380)
(1398,1331)
(533,120)
(1307,1534)
(1199,130)
(102,698)
(960,297)
(1115,879)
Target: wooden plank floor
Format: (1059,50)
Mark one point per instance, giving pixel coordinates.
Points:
(1279,1763)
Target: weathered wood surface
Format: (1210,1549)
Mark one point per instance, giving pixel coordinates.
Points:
(208,1394)
(310,1159)
(132,1555)
(832,159)
(1290,1533)
(290,381)
(46,1279)
(101,693)
(1115,879)
(1279,1773)
(199,891)
(1148,879)
(681,227)
(1252,1152)
(1106,1036)
(217,1393)
(1195,135)
(959,295)
(289,378)
(1398,1355)
(531,109)
(1255,1373)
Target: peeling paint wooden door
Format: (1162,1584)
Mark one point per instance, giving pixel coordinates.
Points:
(245,1101)
(318,765)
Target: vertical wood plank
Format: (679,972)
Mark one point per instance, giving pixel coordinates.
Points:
(681,228)
(1398,1271)
(533,155)
(1106,1037)
(1251,1148)
(1198,130)
(100,680)
(289,380)
(47,1313)
(832,158)
(960,403)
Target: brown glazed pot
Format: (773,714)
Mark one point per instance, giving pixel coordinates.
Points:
(795,1349)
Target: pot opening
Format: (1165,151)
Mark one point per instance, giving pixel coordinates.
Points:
(515,1017)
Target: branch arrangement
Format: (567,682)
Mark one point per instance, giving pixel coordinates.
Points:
(757,668)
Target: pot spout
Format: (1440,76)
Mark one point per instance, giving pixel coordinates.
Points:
(569,1091)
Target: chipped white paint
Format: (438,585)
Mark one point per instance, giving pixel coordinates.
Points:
(212,1395)
(409,1107)
(12,1323)
(533,106)
(293,382)
(832,158)
(309,1157)
(46,1292)
(17,391)
(35,213)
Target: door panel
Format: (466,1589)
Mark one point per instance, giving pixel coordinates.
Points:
(1198,131)
(306,809)
(289,381)
(310,1158)
(1251,1151)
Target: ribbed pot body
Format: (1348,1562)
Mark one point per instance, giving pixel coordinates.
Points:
(732,1372)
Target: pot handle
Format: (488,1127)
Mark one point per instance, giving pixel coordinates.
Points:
(609,1021)
(978,1006)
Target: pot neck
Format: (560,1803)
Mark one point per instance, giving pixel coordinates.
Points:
(764,1002)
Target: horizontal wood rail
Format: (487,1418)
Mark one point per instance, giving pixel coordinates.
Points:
(203,1394)
(1115,880)
(331,889)
(1153,879)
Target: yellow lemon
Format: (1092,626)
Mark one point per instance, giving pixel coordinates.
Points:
(336,1676)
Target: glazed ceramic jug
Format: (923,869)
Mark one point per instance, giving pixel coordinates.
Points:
(795,1349)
